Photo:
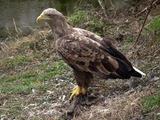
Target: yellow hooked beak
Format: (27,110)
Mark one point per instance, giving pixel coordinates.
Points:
(42,17)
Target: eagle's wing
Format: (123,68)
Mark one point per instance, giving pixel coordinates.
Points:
(95,55)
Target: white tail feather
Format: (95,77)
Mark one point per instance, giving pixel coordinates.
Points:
(142,73)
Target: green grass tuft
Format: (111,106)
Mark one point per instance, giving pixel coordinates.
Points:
(154,24)
(149,102)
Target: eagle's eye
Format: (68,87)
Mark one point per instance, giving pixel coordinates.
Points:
(49,15)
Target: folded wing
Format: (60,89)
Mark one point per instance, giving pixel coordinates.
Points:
(95,55)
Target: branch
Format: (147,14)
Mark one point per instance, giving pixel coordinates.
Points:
(77,101)
(146,8)
(71,110)
(149,9)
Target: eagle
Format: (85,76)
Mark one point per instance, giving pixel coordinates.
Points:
(86,53)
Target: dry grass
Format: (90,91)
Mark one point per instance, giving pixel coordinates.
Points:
(15,44)
(121,107)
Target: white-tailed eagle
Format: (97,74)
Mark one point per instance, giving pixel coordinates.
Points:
(87,53)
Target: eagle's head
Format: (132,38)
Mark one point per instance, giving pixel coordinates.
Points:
(51,15)
(56,20)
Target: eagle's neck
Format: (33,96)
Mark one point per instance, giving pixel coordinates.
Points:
(60,28)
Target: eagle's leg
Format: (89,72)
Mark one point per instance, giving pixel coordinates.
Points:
(83,80)
(76,91)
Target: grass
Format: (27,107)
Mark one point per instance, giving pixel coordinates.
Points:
(90,22)
(151,106)
(30,79)
(150,102)
(154,24)
(153,28)
(13,62)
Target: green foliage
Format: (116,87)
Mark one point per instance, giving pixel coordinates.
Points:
(76,17)
(149,102)
(31,79)
(154,24)
(86,20)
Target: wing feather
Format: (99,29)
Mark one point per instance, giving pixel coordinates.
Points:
(93,54)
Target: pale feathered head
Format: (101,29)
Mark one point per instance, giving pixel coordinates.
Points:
(56,20)
(51,15)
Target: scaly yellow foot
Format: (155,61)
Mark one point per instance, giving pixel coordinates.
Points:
(76,91)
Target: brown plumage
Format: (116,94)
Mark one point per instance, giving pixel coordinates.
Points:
(87,53)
